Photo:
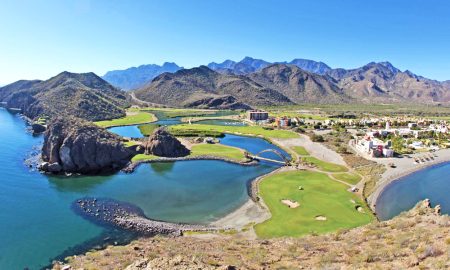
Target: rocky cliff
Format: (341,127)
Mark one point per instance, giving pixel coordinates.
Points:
(75,145)
(162,143)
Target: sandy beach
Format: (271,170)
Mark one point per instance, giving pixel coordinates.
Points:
(403,167)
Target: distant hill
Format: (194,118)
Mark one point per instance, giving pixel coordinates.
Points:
(197,86)
(83,95)
(136,77)
(250,65)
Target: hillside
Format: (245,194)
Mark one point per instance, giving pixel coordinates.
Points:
(417,239)
(84,95)
(298,85)
(190,87)
(382,82)
(135,77)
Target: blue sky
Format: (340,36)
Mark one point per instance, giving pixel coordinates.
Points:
(42,38)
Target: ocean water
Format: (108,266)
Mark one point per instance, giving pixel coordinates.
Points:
(37,223)
(432,183)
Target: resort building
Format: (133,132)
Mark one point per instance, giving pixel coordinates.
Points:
(257,115)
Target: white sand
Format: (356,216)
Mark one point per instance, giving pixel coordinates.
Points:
(290,203)
(250,212)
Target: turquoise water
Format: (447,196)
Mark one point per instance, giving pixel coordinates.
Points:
(37,223)
(127,131)
(432,183)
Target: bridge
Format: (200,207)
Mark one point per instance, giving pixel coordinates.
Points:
(259,157)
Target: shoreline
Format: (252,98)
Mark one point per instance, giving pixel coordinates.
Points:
(404,167)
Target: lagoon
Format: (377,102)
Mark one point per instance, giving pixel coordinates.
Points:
(37,223)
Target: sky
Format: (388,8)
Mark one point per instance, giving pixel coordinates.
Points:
(39,39)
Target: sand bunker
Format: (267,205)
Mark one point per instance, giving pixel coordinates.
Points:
(321,218)
(290,203)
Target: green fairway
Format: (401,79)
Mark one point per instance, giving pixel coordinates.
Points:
(251,130)
(218,150)
(300,150)
(131,119)
(320,196)
(325,166)
(350,178)
(148,129)
(141,157)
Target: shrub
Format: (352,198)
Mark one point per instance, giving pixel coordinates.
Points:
(317,138)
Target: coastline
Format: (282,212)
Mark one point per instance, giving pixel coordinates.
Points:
(404,167)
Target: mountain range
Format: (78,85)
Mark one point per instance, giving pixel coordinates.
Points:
(253,82)
(82,95)
(136,77)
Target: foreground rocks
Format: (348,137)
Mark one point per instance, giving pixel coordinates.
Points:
(162,143)
(76,146)
(417,239)
(128,217)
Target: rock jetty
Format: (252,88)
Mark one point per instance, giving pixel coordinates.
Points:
(76,146)
(128,217)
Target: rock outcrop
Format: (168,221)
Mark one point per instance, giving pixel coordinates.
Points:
(162,143)
(75,145)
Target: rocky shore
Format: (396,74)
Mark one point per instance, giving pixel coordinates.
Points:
(129,217)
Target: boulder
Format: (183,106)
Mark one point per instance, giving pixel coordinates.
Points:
(162,143)
(38,128)
(78,146)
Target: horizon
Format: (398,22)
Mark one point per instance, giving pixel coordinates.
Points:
(42,40)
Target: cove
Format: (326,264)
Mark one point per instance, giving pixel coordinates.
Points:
(37,223)
(401,195)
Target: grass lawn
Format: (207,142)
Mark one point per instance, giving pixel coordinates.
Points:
(217,150)
(350,178)
(148,129)
(253,130)
(300,150)
(130,143)
(320,196)
(132,119)
(326,166)
(140,157)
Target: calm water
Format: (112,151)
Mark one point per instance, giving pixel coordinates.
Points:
(37,224)
(432,183)
(127,131)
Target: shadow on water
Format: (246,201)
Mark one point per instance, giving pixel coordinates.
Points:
(162,168)
(77,183)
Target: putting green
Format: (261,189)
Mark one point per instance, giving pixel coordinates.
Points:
(320,196)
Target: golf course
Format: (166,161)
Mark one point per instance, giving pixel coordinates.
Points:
(324,205)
